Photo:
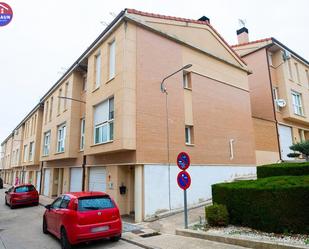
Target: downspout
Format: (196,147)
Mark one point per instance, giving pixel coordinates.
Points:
(273,102)
(41,180)
(84,172)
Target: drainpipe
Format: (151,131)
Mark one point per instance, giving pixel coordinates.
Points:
(274,108)
(84,171)
(41,180)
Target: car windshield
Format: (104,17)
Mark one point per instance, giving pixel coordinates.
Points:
(24,189)
(95,203)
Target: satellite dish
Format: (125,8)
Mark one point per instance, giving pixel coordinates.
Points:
(281,102)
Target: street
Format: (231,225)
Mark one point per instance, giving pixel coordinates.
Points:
(21,228)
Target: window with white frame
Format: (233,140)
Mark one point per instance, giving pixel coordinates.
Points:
(97,70)
(51,108)
(85,82)
(46,143)
(104,121)
(82,134)
(276,97)
(297,103)
(46,106)
(31,150)
(187,80)
(17,156)
(297,72)
(61,138)
(270,58)
(25,153)
(290,69)
(112,59)
(307,76)
(66,90)
(189,134)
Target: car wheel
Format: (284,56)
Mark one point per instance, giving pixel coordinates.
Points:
(6,202)
(65,244)
(116,238)
(45,231)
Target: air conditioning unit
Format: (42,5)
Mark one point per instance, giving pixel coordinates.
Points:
(286,55)
(281,103)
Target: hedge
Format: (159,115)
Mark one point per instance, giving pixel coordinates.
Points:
(283,169)
(273,204)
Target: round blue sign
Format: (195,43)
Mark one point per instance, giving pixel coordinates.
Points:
(183,180)
(6,14)
(183,160)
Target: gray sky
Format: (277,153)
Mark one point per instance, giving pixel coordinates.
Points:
(47,36)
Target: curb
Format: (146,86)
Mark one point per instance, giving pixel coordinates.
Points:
(255,244)
(138,244)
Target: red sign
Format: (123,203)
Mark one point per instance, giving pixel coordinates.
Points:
(183,160)
(6,14)
(183,180)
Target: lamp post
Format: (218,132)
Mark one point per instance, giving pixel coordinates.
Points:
(164,90)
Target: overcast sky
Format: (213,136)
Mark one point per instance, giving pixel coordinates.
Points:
(45,37)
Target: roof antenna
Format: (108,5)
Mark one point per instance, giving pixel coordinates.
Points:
(242,23)
(112,14)
(104,23)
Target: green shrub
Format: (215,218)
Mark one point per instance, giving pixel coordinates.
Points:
(273,204)
(217,215)
(283,169)
(302,147)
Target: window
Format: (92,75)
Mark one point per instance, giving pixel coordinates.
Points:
(187,80)
(290,69)
(46,144)
(59,101)
(104,121)
(97,70)
(112,59)
(189,134)
(46,111)
(66,89)
(13,158)
(25,153)
(34,127)
(307,76)
(270,59)
(297,72)
(51,108)
(82,134)
(17,156)
(65,202)
(301,135)
(56,203)
(61,138)
(94,203)
(31,149)
(297,103)
(85,82)
(276,97)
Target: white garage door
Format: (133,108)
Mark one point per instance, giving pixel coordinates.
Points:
(46,181)
(38,180)
(285,137)
(97,179)
(76,179)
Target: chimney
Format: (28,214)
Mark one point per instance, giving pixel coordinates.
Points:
(204,19)
(242,35)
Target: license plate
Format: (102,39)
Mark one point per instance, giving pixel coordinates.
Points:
(99,229)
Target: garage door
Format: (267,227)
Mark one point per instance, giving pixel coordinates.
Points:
(38,180)
(76,179)
(285,137)
(97,179)
(46,182)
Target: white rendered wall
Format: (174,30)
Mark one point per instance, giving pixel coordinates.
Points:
(156,197)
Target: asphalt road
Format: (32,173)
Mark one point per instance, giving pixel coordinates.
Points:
(21,228)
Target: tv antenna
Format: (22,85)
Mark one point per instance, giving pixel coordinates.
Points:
(242,23)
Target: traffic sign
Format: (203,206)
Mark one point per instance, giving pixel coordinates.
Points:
(184,180)
(183,160)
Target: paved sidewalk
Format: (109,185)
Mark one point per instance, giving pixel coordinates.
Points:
(44,200)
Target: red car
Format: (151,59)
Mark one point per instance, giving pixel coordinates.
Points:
(82,216)
(23,194)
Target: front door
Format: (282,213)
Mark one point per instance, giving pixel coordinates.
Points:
(286,140)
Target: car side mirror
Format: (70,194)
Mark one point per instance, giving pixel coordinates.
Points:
(48,206)
(6,192)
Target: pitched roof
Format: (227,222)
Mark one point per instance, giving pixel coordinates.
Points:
(251,42)
(173,18)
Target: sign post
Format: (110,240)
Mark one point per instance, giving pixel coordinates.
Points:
(184,180)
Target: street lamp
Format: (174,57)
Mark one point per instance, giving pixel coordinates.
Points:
(164,90)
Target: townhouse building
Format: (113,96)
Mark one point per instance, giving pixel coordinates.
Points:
(106,124)
(279,92)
